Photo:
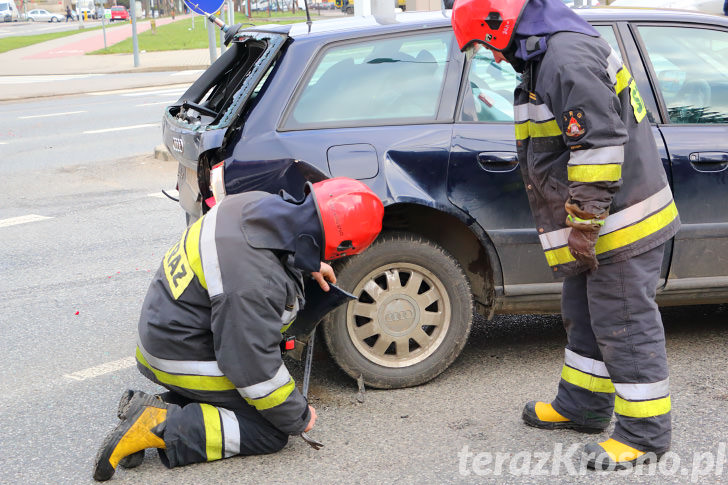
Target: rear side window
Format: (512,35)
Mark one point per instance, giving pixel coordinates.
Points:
(374,82)
(692,72)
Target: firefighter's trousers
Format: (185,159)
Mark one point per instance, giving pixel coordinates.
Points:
(197,432)
(616,342)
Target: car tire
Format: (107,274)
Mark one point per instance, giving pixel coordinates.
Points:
(412,317)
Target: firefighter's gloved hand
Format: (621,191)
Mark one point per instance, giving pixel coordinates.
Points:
(585,228)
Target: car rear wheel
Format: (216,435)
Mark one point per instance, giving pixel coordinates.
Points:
(412,316)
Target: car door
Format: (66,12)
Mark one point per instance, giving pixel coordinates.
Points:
(375,105)
(689,65)
(484,178)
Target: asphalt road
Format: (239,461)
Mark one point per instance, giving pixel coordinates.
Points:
(75,271)
(8,29)
(55,132)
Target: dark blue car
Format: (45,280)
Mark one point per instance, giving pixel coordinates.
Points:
(396,105)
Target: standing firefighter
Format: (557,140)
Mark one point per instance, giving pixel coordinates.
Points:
(210,327)
(603,209)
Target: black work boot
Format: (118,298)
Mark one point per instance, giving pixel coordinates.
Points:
(543,415)
(142,426)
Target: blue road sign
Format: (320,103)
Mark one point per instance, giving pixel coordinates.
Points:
(204,7)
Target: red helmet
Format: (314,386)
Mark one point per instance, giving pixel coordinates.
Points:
(350,213)
(489,22)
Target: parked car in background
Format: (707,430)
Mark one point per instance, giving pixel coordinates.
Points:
(40,15)
(119,13)
(707,6)
(396,105)
(8,11)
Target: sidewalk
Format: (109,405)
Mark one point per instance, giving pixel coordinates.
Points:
(69,69)
(67,55)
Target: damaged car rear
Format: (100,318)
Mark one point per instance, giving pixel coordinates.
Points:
(394,103)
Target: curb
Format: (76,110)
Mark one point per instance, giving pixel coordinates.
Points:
(161,153)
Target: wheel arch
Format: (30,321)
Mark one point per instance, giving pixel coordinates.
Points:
(464,240)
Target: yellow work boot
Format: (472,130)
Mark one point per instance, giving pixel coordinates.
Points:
(142,427)
(543,415)
(614,455)
(135,459)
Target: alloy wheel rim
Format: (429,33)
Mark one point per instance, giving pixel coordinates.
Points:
(401,315)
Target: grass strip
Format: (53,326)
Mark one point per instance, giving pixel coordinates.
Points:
(18,41)
(181,35)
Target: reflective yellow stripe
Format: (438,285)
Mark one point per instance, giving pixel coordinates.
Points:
(635,232)
(620,237)
(199,383)
(610,172)
(642,409)
(559,256)
(586,381)
(537,130)
(213,432)
(274,398)
(192,247)
(623,78)
(286,326)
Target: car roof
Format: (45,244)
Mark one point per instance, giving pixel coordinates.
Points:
(417,20)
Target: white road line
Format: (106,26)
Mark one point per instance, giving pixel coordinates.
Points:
(102,369)
(120,128)
(189,71)
(155,104)
(51,114)
(173,193)
(137,90)
(43,79)
(3,143)
(22,220)
(159,92)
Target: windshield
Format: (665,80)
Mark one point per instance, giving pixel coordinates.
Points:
(4,6)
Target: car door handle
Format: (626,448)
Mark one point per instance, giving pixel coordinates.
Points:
(498,162)
(709,161)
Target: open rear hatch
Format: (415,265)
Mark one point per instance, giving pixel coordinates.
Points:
(195,127)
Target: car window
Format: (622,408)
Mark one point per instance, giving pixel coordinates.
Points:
(692,71)
(374,81)
(607,33)
(489,90)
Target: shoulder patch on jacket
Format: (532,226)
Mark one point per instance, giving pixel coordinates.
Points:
(574,123)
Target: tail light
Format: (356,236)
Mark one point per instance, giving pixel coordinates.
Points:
(217,181)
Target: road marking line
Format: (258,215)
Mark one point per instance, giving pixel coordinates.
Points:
(120,128)
(102,369)
(154,104)
(188,71)
(22,220)
(51,114)
(3,143)
(158,92)
(173,193)
(43,79)
(135,90)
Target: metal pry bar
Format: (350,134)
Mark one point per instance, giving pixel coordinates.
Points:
(316,445)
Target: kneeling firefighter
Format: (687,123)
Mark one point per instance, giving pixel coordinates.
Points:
(212,322)
(604,210)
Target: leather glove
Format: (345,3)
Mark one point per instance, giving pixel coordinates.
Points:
(585,228)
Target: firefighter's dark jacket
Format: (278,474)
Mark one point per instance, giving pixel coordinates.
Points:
(211,323)
(583,134)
